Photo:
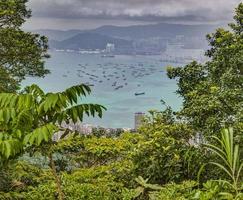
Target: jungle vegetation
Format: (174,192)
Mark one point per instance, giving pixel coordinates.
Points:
(195,153)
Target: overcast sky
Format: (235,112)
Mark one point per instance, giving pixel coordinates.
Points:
(86,14)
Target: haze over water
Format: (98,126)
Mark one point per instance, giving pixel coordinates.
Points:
(115,80)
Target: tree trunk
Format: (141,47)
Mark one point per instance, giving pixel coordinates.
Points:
(57,179)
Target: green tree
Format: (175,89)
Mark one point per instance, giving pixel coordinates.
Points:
(31,119)
(21,53)
(213,91)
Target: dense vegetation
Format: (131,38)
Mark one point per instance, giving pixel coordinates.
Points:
(22,53)
(196,153)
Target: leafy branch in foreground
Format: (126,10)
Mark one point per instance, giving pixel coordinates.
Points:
(22,53)
(32,118)
(229,155)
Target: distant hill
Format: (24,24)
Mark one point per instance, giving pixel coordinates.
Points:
(153,37)
(89,40)
(135,32)
(58,35)
(155,30)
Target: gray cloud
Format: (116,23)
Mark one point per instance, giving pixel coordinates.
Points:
(208,9)
(138,10)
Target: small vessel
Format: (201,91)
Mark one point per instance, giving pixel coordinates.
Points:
(119,87)
(107,56)
(114,84)
(139,93)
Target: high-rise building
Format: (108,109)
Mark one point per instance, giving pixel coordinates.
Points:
(110,48)
(139,116)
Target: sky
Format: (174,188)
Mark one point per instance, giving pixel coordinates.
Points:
(89,14)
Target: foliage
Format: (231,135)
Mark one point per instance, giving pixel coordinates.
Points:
(98,182)
(212,92)
(102,132)
(182,191)
(229,154)
(165,153)
(87,151)
(32,118)
(144,188)
(161,161)
(167,122)
(22,53)
(101,188)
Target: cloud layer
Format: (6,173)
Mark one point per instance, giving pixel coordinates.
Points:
(199,10)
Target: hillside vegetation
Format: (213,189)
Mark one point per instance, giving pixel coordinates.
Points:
(195,153)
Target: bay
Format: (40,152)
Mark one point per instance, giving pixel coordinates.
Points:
(114,84)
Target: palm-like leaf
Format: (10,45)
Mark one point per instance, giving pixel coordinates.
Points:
(41,134)
(31,117)
(229,153)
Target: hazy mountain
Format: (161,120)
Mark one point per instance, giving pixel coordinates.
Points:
(89,40)
(152,37)
(58,35)
(155,30)
(136,32)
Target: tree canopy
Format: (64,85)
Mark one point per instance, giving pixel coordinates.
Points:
(21,53)
(33,117)
(160,161)
(213,91)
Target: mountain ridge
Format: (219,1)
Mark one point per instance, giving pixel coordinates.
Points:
(90,40)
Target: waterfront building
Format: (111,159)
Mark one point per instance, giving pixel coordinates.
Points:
(175,52)
(139,116)
(82,128)
(110,48)
(86,129)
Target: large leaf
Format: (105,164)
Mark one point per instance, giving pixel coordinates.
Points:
(10,147)
(41,134)
(76,113)
(76,91)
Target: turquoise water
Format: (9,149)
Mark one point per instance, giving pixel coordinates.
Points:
(115,82)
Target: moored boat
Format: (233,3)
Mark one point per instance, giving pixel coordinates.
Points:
(139,93)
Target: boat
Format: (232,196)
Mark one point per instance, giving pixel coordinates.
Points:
(107,56)
(114,84)
(139,93)
(119,87)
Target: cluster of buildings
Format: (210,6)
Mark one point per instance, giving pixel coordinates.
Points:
(180,49)
(109,49)
(87,129)
(175,52)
